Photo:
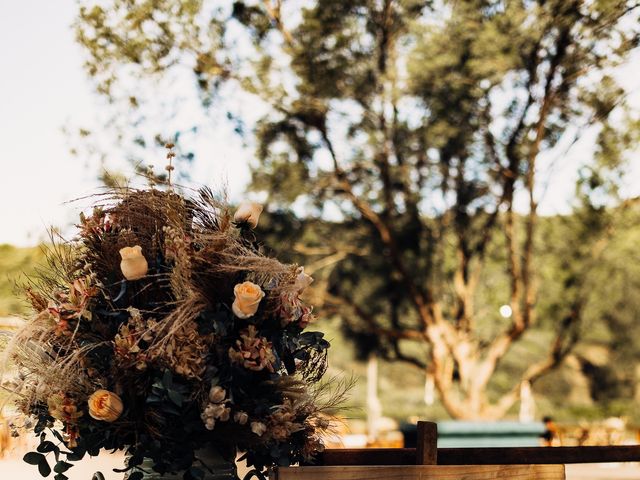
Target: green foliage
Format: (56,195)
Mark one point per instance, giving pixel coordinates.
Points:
(149,39)
(15,265)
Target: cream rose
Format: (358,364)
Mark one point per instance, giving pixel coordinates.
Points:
(133,265)
(248,296)
(105,405)
(248,212)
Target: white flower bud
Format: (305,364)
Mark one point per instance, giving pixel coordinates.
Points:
(248,212)
(133,265)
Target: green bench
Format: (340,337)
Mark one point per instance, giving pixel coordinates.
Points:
(462,434)
(489,434)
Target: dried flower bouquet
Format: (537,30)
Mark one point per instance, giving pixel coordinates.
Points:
(162,329)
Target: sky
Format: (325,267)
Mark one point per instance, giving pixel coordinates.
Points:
(43,88)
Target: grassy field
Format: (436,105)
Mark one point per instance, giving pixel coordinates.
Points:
(15,265)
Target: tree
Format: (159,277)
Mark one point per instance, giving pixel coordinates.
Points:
(420,126)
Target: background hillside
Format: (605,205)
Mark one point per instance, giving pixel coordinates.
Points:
(594,382)
(15,263)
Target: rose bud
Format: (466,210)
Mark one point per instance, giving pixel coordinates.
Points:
(303,280)
(241,417)
(133,265)
(248,296)
(258,428)
(217,394)
(105,405)
(249,213)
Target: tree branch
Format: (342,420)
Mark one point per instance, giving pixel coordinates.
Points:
(529,288)
(424,304)
(522,282)
(372,325)
(382,158)
(331,256)
(563,343)
(273,10)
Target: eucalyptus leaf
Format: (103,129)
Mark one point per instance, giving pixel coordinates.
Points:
(175,397)
(46,447)
(61,467)
(33,458)
(43,467)
(195,473)
(167,379)
(77,454)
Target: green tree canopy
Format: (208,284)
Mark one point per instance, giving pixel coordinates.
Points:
(419,126)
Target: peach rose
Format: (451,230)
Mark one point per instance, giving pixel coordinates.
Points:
(248,296)
(105,405)
(133,265)
(248,212)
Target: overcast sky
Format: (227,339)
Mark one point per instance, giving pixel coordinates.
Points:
(43,88)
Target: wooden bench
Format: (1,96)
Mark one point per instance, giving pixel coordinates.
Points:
(422,472)
(427,461)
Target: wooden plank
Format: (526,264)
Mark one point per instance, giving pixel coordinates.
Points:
(423,472)
(427,447)
(538,455)
(482,456)
(366,456)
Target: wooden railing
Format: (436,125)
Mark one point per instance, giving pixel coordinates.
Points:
(429,461)
(422,472)
(483,456)
(428,453)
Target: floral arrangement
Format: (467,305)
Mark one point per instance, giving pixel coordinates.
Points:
(163,329)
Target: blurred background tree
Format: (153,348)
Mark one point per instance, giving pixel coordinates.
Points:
(408,135)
